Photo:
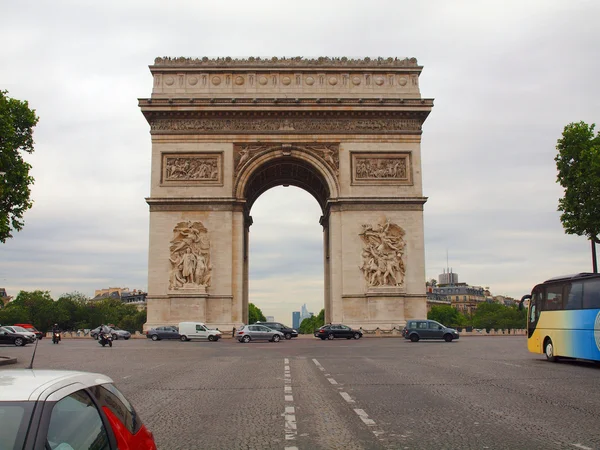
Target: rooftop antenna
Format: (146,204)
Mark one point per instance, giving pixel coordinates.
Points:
(33,356)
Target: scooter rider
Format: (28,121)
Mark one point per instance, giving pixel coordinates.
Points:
(55,333)
(104,332)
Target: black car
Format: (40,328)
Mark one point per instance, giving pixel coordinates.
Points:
(158,333)
(333,331)
(288,332)
(8,337)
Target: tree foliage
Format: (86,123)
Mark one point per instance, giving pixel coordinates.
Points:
(310,324)
(578,165)
(447,315)
(499,317)
(255,314)
(71,311)
(16,137)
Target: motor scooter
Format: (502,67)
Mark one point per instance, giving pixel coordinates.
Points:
(55,337)
(104,339)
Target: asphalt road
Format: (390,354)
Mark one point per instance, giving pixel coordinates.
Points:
(475,393)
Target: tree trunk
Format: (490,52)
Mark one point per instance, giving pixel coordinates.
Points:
(594,261)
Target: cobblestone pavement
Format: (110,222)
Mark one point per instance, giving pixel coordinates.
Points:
(475,393)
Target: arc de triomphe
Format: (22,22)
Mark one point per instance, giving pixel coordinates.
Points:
(226,130)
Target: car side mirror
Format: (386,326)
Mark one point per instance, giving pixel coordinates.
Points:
(440,327)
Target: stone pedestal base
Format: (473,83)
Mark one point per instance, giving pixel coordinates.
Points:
(215,311)
(378,308)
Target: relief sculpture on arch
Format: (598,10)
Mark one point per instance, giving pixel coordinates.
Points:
(190,257)
(383,254)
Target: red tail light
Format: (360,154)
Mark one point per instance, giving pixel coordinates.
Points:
(321,331)
(240,332)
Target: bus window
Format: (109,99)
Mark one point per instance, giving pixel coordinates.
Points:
(536,302)
(574,296)
(553,298)
(591,294)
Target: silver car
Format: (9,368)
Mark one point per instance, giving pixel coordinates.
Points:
(116,332)
(257,332)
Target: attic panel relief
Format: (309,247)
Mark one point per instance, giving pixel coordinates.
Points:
(381,168)
(195,168)
(383,254)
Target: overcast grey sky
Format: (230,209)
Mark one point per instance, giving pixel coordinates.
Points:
(506,76)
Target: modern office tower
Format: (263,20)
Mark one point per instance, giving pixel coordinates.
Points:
(296,319)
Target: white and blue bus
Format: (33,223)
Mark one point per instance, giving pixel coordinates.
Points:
(563,317)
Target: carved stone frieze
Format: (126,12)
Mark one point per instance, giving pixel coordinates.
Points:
(327,153)
(190,257)
(297,61)
(204,168)
(383,254)
(278,124)
(381,168)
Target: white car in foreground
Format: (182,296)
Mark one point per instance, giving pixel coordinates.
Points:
(66,410)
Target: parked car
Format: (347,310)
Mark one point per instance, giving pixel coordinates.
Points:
(158,333)
(428,329)
(31,328)
(56,409)
(197,330)
(117,333)
(288,332)
(333,331)
(8,337)
(257,332)
(30,336)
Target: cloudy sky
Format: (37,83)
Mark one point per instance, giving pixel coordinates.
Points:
(506,76)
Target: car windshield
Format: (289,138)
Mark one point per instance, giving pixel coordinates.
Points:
(14,420)
(21,329)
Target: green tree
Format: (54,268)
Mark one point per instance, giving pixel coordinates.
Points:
(578,165)
(16,136)
(446,315)
(255,314)
(310,324)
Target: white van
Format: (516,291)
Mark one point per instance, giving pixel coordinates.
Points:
(197,330)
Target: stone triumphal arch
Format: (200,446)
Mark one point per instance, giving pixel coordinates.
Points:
(226,130)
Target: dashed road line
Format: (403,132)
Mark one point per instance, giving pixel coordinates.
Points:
(581,446)
(364,417)
(347,397)
(291,430)
(359,412)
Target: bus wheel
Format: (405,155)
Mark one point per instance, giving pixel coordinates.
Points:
(549,350)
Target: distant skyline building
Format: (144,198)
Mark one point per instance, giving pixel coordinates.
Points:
(448,277)
(296,319)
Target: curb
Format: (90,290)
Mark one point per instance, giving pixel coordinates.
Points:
(5,360)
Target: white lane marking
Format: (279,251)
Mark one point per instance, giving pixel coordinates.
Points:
(126,377)
(318,364)
(581,446)
(364,417)
(157,366)
(289,415)
(346,397)
(509,364)
(332,381)
(291,448)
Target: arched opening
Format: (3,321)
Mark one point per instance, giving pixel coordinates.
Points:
(286,254)
(287,212)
